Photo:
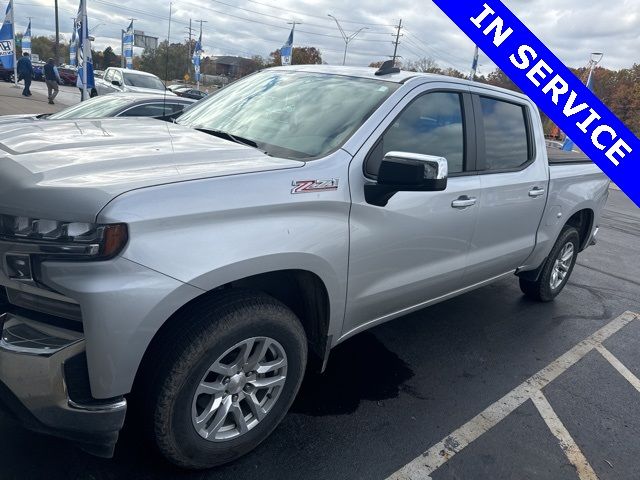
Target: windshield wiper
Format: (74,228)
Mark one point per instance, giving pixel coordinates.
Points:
(228,136)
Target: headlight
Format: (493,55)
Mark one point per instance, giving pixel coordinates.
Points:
(54,238)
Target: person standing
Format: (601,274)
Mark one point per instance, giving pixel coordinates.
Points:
(52,79)
(25,72)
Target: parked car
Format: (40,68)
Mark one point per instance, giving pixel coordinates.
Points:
(116,105)
(98,73)
(191,270)
(6,74)
(190,93)
(68,75)
(38,71)
(178,86)
(123,80)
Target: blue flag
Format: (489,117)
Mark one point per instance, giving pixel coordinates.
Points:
(7,41)
(568,144)
(84,49)
(73,47)
(197,54)
(127,43)
(286,52)
(26,40)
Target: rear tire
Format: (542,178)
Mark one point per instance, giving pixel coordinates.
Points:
(557,268)
(203,408)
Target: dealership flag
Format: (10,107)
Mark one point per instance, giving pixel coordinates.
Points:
(568,143)
(474,65)
(85,63)
(73,46)
(197,54)
(287,49)
(26,40)
(7,41)
(127,46)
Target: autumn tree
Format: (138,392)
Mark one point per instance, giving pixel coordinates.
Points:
(300,56)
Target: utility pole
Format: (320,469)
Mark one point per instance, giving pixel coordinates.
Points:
(397,42)
(347,38)
(56,45)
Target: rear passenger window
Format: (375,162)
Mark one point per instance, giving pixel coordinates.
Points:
(506,135)
(430,125)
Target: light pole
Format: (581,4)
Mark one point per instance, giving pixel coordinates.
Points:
(346,38)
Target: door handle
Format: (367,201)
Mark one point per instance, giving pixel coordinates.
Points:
(536,192)
(464,202)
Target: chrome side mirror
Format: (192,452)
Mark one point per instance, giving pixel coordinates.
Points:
(407,172)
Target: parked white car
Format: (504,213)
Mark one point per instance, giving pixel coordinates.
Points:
(124,80)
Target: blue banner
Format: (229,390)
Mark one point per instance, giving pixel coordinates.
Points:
(7,41)
(84,49)
(286,52)
(73,47)
(26,40)
(127,46)
(197,54)
(552,86)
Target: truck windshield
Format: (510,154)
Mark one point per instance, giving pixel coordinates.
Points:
(143,81)
(97,107)
(291,114)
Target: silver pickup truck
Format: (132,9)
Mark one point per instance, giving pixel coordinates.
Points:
(190,272)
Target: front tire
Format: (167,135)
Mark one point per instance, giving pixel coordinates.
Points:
(557,268)
(226,379)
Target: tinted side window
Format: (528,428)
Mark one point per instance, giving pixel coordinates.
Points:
(148,110)
(175,107)
(506,136)
(430,125)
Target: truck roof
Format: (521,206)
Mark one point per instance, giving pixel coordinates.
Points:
(400,77)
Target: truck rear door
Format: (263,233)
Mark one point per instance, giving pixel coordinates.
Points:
(514,178)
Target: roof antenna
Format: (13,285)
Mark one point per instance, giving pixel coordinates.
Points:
(387,68)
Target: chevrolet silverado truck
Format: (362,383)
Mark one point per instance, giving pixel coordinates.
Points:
(190,272)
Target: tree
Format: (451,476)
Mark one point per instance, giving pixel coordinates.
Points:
(423,65)
(110,59)
(167,61)
(300,56)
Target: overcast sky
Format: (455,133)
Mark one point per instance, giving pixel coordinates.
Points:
(570,28)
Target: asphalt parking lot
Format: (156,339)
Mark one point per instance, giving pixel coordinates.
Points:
(487,385)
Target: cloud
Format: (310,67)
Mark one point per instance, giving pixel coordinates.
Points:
(570,28)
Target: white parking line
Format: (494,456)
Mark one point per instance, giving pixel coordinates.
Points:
(617,364)
(568,445)
(436,456)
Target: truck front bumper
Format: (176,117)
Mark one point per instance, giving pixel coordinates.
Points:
(36,365)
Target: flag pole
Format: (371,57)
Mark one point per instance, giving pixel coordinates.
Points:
(85,54)
(15,61)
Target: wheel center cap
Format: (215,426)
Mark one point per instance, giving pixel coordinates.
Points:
(237,383)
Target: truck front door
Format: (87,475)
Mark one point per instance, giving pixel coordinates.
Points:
(415,248)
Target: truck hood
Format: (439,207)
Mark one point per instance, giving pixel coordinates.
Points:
(69,170)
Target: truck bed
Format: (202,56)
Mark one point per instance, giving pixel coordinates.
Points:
(559,157)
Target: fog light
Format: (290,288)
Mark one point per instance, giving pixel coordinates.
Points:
(18,267)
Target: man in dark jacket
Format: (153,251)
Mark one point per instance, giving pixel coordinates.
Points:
(25,72)
(51,78)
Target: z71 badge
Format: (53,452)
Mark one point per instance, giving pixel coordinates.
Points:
(311,186)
